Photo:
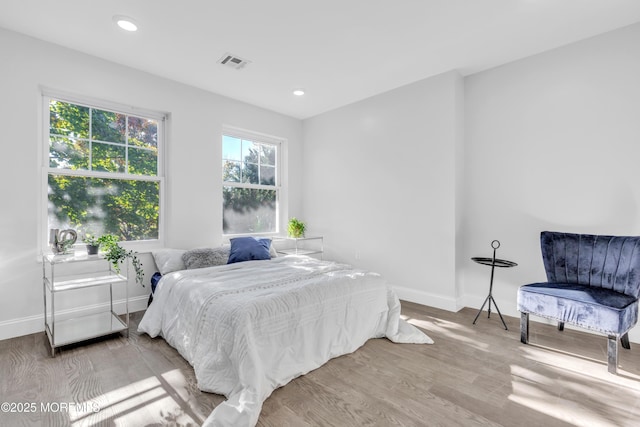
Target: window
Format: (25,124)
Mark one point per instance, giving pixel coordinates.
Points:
(103,171)
(251,183)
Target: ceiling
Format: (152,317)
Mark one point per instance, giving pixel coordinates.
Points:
(339,51)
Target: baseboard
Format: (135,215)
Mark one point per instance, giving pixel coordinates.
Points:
(34,324)
(507,308)
(426,298)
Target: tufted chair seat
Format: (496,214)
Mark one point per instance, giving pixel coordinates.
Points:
(593,282)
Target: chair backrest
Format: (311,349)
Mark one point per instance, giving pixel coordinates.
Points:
(610,262)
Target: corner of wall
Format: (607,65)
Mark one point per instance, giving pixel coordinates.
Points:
(459,104)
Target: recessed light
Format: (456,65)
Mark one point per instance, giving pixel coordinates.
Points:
(126,23)
(298,92)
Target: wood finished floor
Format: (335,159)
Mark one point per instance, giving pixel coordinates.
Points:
(472,375)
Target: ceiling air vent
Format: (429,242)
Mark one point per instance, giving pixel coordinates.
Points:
(233,61)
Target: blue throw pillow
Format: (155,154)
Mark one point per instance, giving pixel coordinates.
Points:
(248,249)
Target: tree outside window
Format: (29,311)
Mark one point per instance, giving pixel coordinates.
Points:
(102,172)
(250,186)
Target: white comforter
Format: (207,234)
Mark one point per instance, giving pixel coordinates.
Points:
(249,328)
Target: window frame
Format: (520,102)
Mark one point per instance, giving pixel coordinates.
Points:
(280,187)
(47,95)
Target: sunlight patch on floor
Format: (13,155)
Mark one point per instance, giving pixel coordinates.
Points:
(569,362)
(156,398)
(527,392)
(449,329)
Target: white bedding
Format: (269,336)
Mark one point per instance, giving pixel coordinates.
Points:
(251,327)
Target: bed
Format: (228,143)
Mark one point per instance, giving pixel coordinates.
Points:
(250,327)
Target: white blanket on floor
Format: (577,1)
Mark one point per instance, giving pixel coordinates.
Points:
(249,328)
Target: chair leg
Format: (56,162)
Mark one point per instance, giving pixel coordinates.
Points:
(561,326)
(524,328)
(612,354)
(624,340)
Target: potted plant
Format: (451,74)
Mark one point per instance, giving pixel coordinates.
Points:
(296,228)
(93,244)
(116,254)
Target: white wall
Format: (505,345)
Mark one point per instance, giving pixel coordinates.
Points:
(552,143)
(194,213)
(407,184)
(380,185)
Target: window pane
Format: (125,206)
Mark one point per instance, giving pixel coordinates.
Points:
(143,162)
(250,173)
(231,148)
(248,210)
(250,152)
(268,154)
(68,119)
(65,153)
(143,132)
(129,209)
(87,139)
(248,162)
(267,175)
(108,158)
(108,126)
(230,171)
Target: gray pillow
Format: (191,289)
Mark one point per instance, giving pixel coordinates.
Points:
(206,257)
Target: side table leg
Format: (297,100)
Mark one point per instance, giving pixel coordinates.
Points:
(500,314)
(480,311)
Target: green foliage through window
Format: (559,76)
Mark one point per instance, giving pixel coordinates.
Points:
(103,172)
(250,186)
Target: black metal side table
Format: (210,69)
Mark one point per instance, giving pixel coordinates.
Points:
(493,262)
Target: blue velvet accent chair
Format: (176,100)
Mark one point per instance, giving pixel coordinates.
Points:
(592,282)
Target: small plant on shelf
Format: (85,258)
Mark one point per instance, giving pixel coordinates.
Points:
(296,228)
(92,242)
(116,255)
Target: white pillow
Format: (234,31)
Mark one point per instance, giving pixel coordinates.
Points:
(169,260)
(272,250)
